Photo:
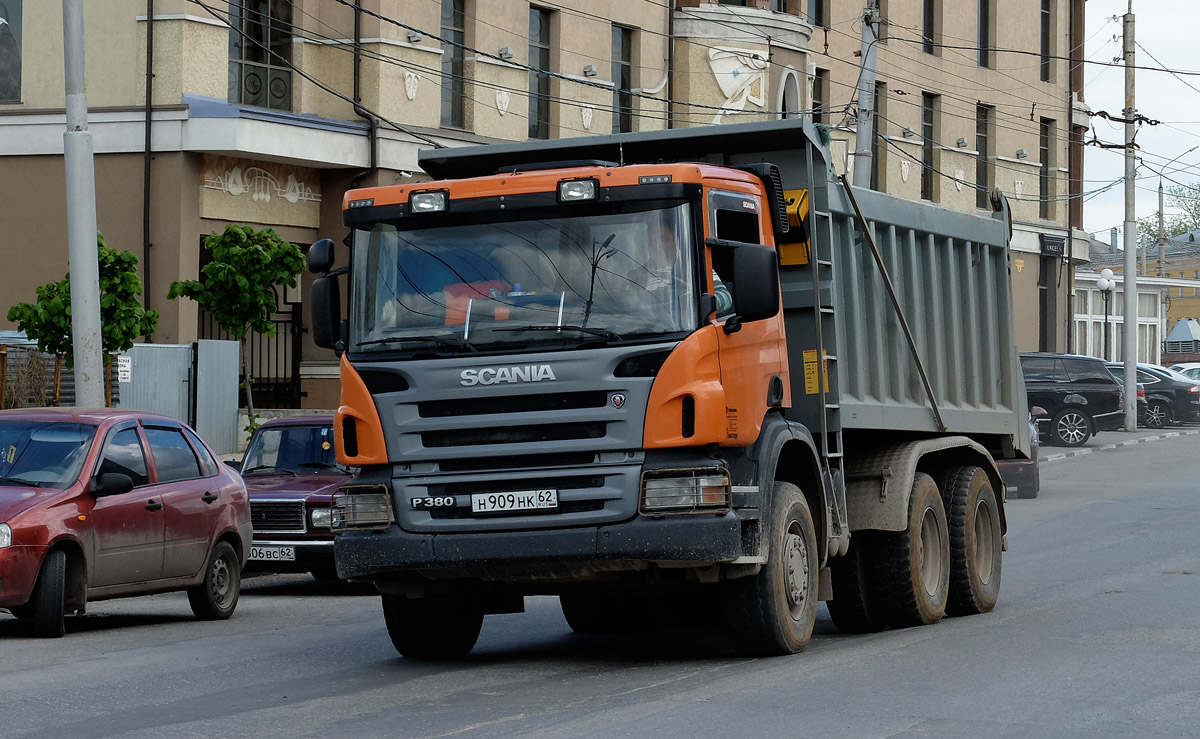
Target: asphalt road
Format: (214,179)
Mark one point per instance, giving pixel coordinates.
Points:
(1097,633)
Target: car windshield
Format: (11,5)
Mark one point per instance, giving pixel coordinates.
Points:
(296,449)
(563,281)
(43,453)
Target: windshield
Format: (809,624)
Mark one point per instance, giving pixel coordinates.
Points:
(296,449)
(43,453)
(468,287)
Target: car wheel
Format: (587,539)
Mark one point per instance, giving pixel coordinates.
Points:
(1158,414)
(1071,427)
(216,597)
(47,602)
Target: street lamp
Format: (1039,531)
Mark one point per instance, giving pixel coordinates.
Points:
(1105,285)
(1161,235)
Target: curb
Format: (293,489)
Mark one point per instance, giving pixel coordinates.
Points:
(1105,447)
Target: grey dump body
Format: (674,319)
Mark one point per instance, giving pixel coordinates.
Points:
(949,271)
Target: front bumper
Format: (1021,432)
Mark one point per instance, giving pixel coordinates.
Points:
(697,538)
(309,555)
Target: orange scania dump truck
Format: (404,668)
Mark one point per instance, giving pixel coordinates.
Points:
(673,378)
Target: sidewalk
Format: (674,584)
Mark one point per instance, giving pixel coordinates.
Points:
(1113,439)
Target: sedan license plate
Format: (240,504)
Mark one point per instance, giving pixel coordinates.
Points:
(519,500)
(273,554)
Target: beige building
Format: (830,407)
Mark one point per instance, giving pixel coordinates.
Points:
(264,112)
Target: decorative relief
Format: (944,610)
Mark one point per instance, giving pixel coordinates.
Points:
(1019,186)
(585,113)
(260,185)
(904,167)
(411,80)
(742,76)
(502,100)
(959,178)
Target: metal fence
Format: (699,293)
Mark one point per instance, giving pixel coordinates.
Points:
(274,360)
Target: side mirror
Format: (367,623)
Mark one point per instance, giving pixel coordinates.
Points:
(326,311)
(1037,411)
(320,256)
(112,483)
(755,282)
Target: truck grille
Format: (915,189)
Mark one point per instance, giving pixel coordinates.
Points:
(277,517)
(512,404)
(513,434)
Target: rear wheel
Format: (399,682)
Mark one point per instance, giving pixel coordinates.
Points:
(433,627)
(1071,427)
(45,606)
(216,597)
(912,567)
(774,611)
(854,608)
(975,543)
(1158,414)
(606,613)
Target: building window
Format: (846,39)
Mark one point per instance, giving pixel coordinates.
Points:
(931,26)
(986,32)
(260,53)
(983,148)
(878,149)
(929,133)
(1045,183)
(780,6)
(539,80)
(622,77)
(1047,40)
(818,13)
(820,94)
(453,24)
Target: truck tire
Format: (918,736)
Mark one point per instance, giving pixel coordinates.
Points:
(589,613)
(855,608)
(774,612)
(911,568)
(975,543)
(47,602)
(433,627)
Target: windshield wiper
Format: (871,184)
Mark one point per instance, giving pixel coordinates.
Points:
(443,340)
(267,467)
(19,481)
(604,332)
(320,465)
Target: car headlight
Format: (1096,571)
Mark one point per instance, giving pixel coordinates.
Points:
(361,507)
(5,535)
(320,518)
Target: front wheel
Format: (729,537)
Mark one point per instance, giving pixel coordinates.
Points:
(433,627)
(774,612)
(216,597)
(1071,427)
(45,606)
(1158,415)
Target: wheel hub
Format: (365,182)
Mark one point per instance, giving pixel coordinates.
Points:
(796,556)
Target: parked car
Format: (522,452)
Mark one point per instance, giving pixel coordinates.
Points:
(1022,474)
(1188,369)
(1142,404)
(105,503)
(1080,396)
(291,472)
(1171,397)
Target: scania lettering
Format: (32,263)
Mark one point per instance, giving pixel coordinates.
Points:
(769,389)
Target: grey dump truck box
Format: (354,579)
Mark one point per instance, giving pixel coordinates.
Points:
(949,272)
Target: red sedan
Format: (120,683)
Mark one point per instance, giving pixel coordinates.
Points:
(107,503)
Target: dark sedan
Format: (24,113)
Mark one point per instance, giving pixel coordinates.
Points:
(291,473)
(1171,397)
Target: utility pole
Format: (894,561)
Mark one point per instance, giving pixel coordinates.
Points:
(1162,240)
(81,220)
(865,133)
(1131,319)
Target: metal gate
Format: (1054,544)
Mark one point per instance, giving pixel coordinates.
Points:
(274,360)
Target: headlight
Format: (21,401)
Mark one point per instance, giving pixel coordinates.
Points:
(361,507)
(570,191)
(686,490)
(433,201)
(5,535)
(320,518)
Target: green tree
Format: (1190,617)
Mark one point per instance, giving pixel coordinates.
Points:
(237,288)
(1181,214)
(122,317)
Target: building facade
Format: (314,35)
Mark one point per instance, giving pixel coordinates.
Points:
(264,112)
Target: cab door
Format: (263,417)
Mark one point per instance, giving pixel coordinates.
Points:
(127,529)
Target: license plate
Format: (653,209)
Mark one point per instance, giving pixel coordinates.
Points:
(520,500)
(273,554)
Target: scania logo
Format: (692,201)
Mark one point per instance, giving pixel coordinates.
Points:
(497,375)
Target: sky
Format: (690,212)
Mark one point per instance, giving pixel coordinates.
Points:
(1166,30)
